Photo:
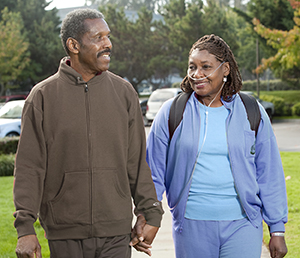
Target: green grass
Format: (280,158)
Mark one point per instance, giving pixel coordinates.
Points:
(289,96)
(291,161)
(8,235)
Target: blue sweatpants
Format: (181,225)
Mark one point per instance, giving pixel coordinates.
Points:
(218,239)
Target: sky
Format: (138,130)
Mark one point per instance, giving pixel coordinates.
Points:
(65,3)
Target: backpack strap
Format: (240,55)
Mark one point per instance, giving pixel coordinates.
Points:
(179,103)
(252,109)
(176,111)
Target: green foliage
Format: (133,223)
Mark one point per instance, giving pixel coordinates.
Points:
(286,62)
(43,31)
(296,109)
(13,48)
(271,85)
(279,104)
(273,14)
(290,162)
(9,145)
(7,163)
(137,46)
(290,97)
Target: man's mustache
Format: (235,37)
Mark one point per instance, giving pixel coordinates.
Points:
(103,52)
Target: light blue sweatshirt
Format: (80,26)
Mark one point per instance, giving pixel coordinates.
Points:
(259,178)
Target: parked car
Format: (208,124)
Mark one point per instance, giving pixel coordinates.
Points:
(5,99)
(157,98)
(10,118)
(269,106)
(143,104)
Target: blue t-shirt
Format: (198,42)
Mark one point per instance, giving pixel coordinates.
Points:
(212,195)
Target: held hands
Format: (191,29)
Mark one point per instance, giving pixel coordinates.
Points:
(28,247)
(277,247)
(142,235)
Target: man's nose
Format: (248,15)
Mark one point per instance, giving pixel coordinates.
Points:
(107,43)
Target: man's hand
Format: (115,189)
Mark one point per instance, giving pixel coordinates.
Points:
(28,247)
(277,247)
(143,235)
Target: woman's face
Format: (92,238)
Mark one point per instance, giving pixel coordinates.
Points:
(210,71)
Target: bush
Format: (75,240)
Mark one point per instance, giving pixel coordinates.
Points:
(7,164)
(279,104)
(9,145)
(296,109)
(271,85)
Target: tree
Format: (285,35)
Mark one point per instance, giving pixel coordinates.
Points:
(135,44)
(135,5)
(273,14)
(286,62)
(14,55)
(276,14)
(183,26)
(43,30)
(11,5)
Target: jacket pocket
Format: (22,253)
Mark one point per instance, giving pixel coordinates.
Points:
(112,197)
(72,204)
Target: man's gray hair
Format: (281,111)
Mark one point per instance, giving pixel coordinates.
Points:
(73,25)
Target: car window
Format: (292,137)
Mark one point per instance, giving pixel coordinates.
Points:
(11,111)
(161,96)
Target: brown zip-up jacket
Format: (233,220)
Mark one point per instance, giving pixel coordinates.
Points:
(81,158)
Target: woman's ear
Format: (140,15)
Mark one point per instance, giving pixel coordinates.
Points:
(226,69)
(73,45)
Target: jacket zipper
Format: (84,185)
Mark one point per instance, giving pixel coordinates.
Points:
(86,90)
(188,184)
(235,186)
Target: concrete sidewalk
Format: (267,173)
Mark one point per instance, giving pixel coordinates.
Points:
(163,247)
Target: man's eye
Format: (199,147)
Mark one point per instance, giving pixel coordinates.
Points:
(191,67)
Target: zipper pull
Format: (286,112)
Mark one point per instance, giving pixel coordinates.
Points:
(86,89)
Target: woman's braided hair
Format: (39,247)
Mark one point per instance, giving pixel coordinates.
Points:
(219,48)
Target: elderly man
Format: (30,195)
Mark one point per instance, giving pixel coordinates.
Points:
(81,155)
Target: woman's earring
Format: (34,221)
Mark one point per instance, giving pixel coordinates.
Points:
(225,79)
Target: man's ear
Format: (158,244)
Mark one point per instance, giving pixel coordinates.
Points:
(73,45)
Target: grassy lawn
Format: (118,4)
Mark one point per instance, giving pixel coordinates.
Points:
(291,161)
(289,96)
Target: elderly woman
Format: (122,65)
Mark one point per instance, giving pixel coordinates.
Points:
(221,179)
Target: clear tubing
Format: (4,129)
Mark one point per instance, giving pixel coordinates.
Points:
(200,79)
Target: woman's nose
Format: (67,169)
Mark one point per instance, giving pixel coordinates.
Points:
(198,73)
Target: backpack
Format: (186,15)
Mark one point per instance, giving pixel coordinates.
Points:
(179,103)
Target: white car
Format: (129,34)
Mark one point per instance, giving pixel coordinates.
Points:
(10,118)
(157,98)
(269,106)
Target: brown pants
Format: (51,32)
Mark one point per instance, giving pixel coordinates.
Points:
(104,247)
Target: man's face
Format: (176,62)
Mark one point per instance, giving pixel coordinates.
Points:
(94,54)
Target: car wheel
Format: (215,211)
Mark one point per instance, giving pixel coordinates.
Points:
(146,122)
(12,134)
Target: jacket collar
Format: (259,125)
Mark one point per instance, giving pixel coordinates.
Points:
(67,72)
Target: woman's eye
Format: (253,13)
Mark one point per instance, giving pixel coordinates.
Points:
(205,67)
